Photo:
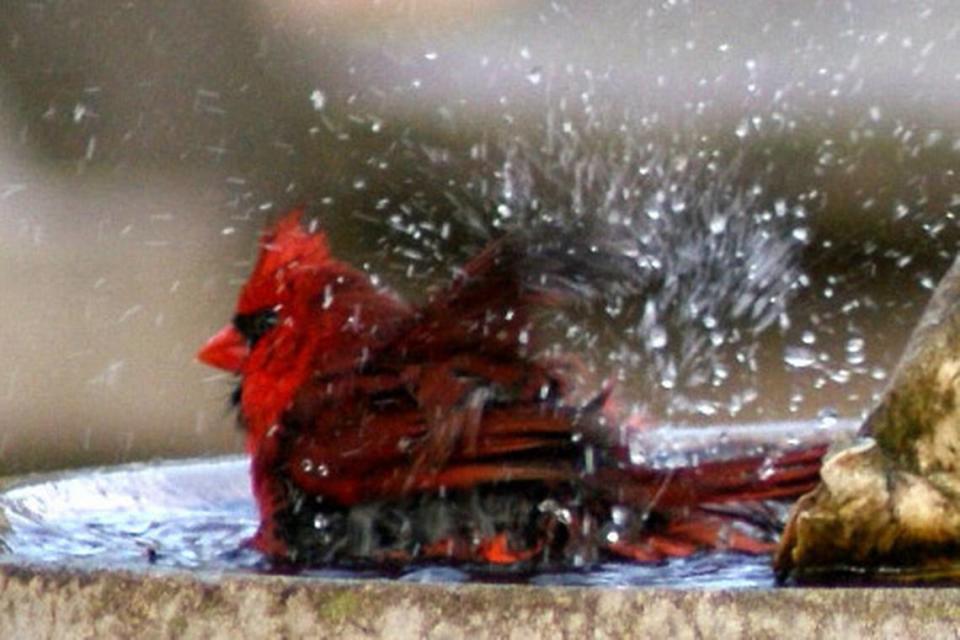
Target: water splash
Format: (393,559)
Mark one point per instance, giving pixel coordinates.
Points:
(715,260)
(197,515)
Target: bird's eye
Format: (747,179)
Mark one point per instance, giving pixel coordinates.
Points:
(254,325)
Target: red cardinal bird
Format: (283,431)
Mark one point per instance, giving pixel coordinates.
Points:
(383,432)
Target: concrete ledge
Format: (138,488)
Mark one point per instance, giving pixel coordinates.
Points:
(49,602)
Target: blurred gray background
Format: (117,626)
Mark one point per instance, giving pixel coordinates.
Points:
(144,144)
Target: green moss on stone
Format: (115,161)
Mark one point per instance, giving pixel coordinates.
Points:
(341,606)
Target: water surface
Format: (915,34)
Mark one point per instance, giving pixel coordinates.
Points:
(196,515)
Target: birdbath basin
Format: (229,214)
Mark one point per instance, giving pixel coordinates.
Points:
(156,550)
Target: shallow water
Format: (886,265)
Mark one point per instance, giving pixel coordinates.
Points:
(196,514)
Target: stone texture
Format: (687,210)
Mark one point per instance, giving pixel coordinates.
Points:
(892,498)
(60,603)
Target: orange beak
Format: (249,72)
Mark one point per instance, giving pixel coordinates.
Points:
(226,350)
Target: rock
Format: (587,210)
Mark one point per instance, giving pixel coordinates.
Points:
(892,498)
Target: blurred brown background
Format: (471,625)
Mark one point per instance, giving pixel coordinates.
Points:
(144,144)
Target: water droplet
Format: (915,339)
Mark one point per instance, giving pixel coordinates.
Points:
(657,339)
(855,345)
(306,465)
(767,469)
(856,358)
(799,357)
(589,461)
(431,55)
(620,515)
(706,408)
(827,417)
(535,75)
(318,100)
(841,376)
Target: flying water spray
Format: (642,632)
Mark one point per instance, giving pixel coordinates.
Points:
(715,260)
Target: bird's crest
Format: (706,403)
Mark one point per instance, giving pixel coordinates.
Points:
(286,246)
(288,241)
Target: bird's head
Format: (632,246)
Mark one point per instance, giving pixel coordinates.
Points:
(264,341)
